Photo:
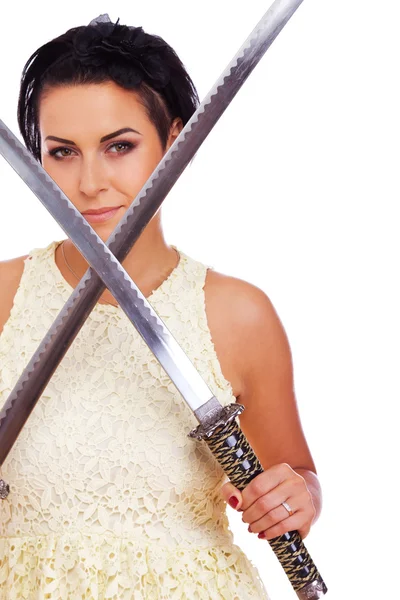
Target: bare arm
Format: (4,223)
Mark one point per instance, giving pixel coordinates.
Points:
(260,358)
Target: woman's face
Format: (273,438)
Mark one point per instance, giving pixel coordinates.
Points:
(100,147)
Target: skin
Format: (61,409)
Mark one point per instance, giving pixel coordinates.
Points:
(249,338)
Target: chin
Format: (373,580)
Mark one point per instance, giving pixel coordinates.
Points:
(104,235)
(103,231)
(105,228)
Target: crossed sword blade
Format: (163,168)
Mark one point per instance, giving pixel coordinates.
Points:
(217,424)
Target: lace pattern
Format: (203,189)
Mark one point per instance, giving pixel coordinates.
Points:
(109,497)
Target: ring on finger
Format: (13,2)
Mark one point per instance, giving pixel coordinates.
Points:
(288,508)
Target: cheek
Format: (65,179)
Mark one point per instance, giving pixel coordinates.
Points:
(47,166)
(66,179)
(132,172)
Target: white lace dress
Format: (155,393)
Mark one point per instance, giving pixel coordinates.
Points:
(109,497)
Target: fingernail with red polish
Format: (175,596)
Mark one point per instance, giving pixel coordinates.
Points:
(261,535)
(249,528)
(233,501)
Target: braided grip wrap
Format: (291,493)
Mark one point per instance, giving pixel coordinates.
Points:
(236,457)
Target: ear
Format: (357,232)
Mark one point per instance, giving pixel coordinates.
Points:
(175,129)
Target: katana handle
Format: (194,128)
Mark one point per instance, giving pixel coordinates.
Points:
(235,455)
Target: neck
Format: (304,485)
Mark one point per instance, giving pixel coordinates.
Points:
(149,262)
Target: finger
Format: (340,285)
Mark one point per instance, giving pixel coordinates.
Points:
(232,495)
(294,523)
(267,503)
(265,482)
(275,516)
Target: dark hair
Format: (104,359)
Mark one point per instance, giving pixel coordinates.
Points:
(104,51)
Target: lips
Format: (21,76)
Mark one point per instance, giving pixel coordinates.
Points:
(100,215)
(99,211)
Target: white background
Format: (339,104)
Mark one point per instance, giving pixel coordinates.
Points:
(295,190)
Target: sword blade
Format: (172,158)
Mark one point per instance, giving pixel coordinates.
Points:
(55,344)
(160,341)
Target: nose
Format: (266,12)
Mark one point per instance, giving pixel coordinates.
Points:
(92,177)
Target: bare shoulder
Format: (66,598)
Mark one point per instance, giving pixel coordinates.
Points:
(238,298)
(242,321)
(10,275)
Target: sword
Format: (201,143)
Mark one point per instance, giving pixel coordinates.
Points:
(66,326)
(209,412)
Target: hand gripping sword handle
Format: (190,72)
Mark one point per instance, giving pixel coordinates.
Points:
(233,452)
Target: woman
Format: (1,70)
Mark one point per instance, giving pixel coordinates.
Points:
(110,499)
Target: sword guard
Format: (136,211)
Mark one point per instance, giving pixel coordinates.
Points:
(220,419)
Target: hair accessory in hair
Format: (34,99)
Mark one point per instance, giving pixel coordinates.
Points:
(103,40)
(100,19)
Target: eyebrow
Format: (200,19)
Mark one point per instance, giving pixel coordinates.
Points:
(103,139)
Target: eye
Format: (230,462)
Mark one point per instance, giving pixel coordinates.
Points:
(120,147)
(61,153)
